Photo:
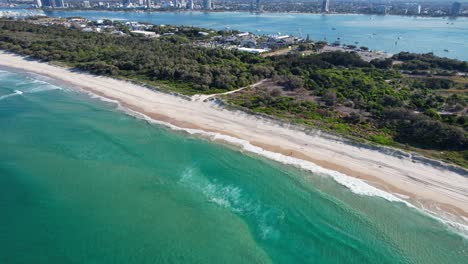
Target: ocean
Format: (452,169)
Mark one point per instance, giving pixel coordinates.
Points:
(84,182)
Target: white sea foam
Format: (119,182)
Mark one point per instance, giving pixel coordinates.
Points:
(357,186)
(10,95)
(236,200)
(39,81)
(44,88)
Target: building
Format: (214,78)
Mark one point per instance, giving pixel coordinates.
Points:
(148,34)
(148,3)
(248,43)
(86,4)
(250,50)
(456,8)
(326,6)
(59,3)
(419,9)
(259,6)
(207,4)
(381,9)
(48,3)
(39,3)
(126,3)
(190,4)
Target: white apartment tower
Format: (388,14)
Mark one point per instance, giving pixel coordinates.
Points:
(207,4)
(326,6)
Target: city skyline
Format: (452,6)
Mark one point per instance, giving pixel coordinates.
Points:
(395,7)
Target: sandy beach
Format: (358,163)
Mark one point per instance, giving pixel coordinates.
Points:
(428,185)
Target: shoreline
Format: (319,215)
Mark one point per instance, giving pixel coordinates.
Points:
(433,188)
(155,10)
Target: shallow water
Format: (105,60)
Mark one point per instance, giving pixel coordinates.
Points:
(82,182)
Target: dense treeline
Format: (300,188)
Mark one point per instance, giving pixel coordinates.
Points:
(169,58)
(334,90)
(429,61)
(424,131)
(366,99)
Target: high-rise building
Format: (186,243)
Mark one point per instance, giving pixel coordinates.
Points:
(259,5)
(326,6)
(59,3)
(47,3)
(148,4)
(190,4)
(39,3)
(456,8)
(207,4)
(381,9)
(419,9)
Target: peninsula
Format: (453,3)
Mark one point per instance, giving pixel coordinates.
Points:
(304,102)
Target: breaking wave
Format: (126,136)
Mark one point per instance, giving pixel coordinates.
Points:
(236,200)
(356,185)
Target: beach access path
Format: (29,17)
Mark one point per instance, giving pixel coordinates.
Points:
(440,189)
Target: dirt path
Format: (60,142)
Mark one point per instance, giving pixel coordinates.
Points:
(204,97)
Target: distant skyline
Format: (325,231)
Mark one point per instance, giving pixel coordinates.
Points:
(428,8)
(316,1)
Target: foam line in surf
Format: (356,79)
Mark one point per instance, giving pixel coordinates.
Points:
(17,92)
(43,89)
(357,186)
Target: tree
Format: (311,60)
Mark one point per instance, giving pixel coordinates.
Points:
(319,45)
(431,112)
(330,97)
(291,82)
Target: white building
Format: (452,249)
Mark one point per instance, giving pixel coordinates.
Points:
(256,51)
(326,6)
(207,4)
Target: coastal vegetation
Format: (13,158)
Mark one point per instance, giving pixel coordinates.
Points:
(411,101)
(170,59)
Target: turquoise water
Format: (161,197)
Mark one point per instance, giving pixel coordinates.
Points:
(387,33)
(82,182)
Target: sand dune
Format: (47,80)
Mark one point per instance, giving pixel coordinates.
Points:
(430,185)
